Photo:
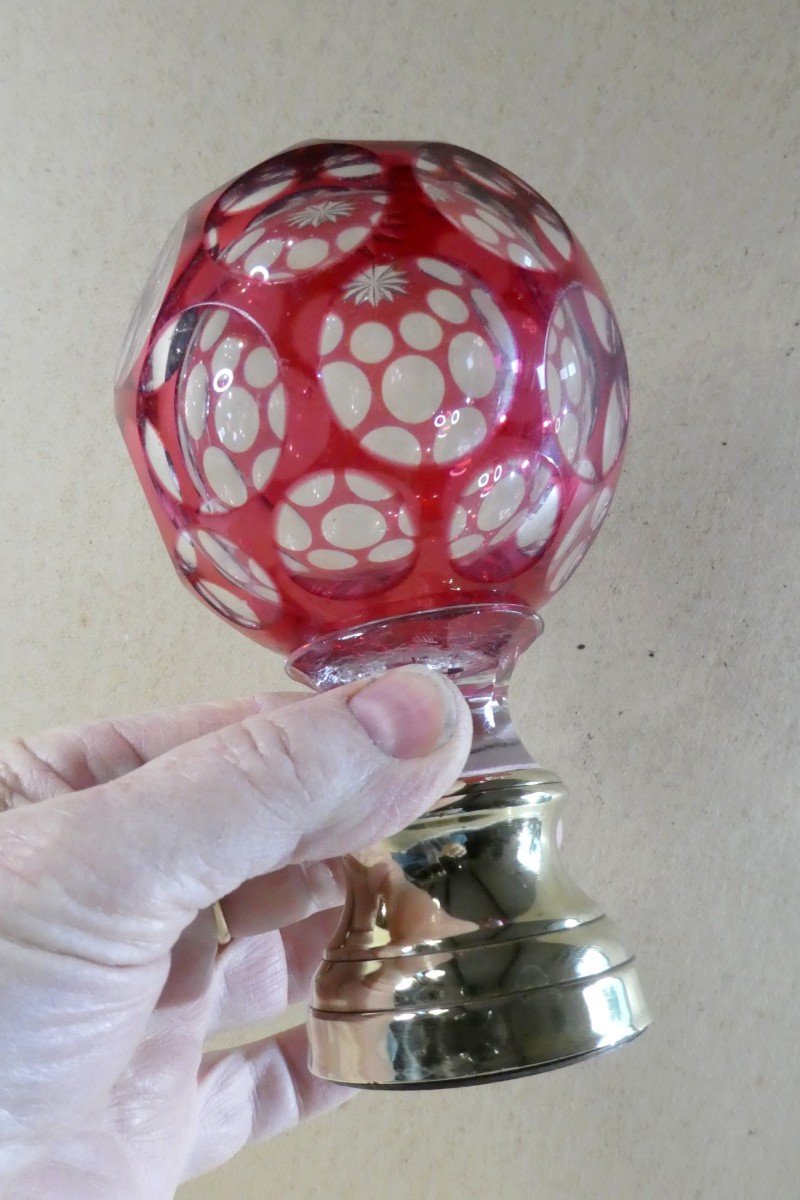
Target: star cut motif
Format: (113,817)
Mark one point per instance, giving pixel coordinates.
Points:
(375,284)
(325,211)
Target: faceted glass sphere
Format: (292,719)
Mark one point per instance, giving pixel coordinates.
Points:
(373,379)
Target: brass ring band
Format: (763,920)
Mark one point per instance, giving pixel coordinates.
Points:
(224,934)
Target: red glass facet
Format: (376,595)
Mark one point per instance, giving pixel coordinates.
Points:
(373,379)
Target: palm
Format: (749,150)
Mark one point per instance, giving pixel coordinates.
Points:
(122,1098)
(170,1111)
(115,842)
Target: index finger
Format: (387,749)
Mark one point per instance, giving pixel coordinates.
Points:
(72,758)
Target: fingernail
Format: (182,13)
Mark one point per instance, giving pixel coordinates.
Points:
(408,712)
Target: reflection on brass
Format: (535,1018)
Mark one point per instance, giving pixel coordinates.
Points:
(465,952)
(223,932)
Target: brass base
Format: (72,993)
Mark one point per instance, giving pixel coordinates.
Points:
(467,955)
(478,1080)
(480,1043)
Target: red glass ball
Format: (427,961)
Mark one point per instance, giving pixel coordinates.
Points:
(367,379)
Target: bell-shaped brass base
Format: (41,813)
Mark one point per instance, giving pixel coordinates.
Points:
(466,954)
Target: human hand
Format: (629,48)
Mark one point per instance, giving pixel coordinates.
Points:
(115,840)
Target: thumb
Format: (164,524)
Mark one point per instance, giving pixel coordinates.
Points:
(114,873)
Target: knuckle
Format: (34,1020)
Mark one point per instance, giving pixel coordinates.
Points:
(11,791)
(111,753)
(25,776)
(263,756)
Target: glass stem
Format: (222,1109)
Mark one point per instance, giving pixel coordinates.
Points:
(475,645)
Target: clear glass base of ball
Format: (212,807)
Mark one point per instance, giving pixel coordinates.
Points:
(475,645)
(465,953)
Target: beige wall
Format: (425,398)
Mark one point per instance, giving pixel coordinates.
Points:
(667,135)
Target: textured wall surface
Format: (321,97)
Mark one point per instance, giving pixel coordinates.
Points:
(667,136)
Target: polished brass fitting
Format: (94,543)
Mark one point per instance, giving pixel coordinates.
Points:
(466,954)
